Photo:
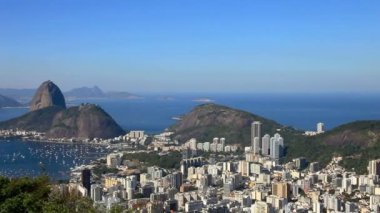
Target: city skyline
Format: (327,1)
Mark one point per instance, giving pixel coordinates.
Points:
(192,46)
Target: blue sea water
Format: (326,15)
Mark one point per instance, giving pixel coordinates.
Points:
(302,111)
(8,113)
(154,113)
(29,158)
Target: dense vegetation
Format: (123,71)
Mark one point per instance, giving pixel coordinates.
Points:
(169,161)
(356,142)
(36,195)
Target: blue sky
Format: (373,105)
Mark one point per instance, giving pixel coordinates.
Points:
(192,45)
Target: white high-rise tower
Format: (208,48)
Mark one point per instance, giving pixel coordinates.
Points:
(276,146)
(265,145)
(320,128)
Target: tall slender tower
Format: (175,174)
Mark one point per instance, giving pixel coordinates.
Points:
(265,145)
(276,146)
(86,180)
(320,128)
(255,133)
(374,167)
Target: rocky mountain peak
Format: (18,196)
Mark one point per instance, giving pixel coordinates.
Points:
(48,94)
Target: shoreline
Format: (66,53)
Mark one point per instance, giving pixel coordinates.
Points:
(62,158)
(51,141)
(18,107)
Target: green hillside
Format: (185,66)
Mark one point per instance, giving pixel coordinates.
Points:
(207,121)
(84,121)
(357,142)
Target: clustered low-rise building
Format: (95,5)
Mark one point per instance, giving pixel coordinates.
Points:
(217,145)
(136,137)
(320,130)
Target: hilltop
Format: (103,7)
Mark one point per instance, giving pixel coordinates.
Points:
(357,142)
(48,94)
(211,120)
(358,133)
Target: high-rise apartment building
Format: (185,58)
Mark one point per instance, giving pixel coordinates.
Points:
(96,192)
(256,145)
(86,180)
(176,180)
(281,190)
(320,128)
(276,146)
(255,133)
(374,167)
(265,144)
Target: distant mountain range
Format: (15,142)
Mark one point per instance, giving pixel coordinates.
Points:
(25,95)
(21,95)
(8,102)
(85,92)
(356,142)
(96,92)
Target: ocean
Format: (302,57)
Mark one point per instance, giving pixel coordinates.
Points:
(154,113)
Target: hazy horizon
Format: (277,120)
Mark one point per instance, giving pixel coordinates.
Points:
(205,94)
(66,88)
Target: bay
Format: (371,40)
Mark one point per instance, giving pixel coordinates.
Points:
(30,158)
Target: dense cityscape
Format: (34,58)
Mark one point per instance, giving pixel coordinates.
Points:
(214,177)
